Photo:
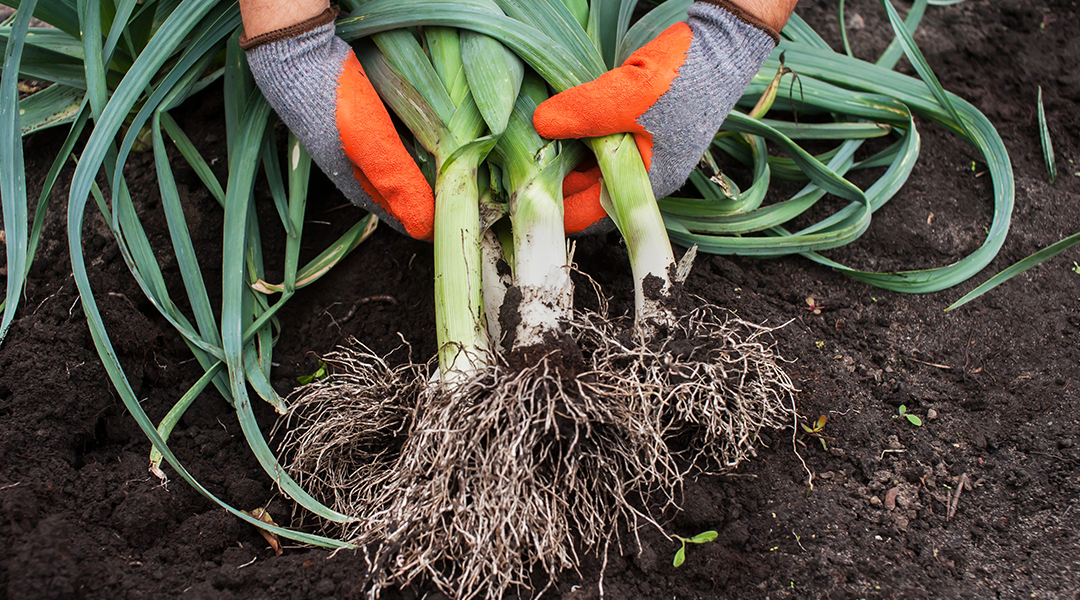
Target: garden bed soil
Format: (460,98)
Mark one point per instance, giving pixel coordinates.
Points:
(997,383)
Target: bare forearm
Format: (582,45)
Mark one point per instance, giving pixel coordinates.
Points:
(771,13)
(263,16)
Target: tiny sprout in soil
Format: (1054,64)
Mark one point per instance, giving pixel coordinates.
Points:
(1075,268)
(817,431)
(320,373)
(702,538)
(903,412)
(813,306)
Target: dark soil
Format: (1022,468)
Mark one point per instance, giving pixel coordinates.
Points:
(997,384)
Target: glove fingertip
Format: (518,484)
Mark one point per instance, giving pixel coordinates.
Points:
(554,118)
(583,210)
(416,212)
(576,182)
(644,141)
(408,201)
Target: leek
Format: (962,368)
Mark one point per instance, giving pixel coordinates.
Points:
(450,129)
(534,169)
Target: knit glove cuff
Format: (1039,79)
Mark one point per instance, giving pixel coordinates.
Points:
(746,17)
(324,18)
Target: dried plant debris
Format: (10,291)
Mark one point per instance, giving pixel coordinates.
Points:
(499,480)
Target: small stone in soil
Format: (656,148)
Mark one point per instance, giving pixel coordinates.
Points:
(890,498)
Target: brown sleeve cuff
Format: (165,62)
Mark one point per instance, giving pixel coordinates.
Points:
(743,15)
(325,17)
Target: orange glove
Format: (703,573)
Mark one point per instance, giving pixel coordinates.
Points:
(672,94)
(318,88)
(615,101)
(381,164)
(581,199)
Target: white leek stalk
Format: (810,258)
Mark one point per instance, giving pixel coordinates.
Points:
(632,206)
(534,169)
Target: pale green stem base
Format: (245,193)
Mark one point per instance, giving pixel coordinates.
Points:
(637,216)
(459,321)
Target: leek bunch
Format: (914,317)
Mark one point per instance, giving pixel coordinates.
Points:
(553,41)
(512,458)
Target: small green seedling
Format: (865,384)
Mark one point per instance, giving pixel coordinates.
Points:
(702,538)
(321,373)
(916,421)
(817,431)
(1075,268)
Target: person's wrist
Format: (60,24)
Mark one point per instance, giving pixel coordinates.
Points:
(275,19)
(250,42)
(769,16)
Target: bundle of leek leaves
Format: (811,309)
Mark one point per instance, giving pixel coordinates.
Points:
(125,64)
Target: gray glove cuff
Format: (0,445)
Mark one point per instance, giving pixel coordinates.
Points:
(746,17)
(299,77)
(323,18)
(724,56)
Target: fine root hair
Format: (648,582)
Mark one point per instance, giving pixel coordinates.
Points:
(344,434)
(705,386)
(498,481)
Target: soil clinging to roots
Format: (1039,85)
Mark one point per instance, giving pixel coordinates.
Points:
(500,479)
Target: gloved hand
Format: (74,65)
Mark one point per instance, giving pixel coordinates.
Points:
(314,82)
(673,93)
